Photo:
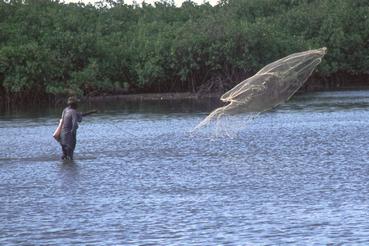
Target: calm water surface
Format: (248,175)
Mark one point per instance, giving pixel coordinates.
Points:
(296,175)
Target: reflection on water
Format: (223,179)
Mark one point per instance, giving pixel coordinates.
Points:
(297,174)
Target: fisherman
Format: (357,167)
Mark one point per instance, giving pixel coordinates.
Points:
(68,136)
(66,132)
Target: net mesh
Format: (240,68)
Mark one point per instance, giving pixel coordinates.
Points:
(271,86)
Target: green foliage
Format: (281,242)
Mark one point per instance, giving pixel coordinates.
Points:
(49,47)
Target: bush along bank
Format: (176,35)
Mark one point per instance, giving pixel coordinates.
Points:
(49,48)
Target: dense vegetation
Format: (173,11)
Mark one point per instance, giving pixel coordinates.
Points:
(49,47)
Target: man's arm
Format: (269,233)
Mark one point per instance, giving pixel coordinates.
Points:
(89,112)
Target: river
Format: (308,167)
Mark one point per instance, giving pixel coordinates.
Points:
(295,175)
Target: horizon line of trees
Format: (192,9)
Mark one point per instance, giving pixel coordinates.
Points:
(49,48)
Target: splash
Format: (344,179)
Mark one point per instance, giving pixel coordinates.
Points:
(271,86)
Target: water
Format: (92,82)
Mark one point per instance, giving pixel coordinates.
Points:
(295,175)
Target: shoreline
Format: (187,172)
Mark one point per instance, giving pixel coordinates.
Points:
(314,85)
(167,96)
(172,96)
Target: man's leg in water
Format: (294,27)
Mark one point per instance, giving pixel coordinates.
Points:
(72,145)
(70,153)
(67,152)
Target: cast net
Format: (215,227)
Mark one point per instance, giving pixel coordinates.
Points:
(271,86)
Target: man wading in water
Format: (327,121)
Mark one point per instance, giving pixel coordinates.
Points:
(66,132)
